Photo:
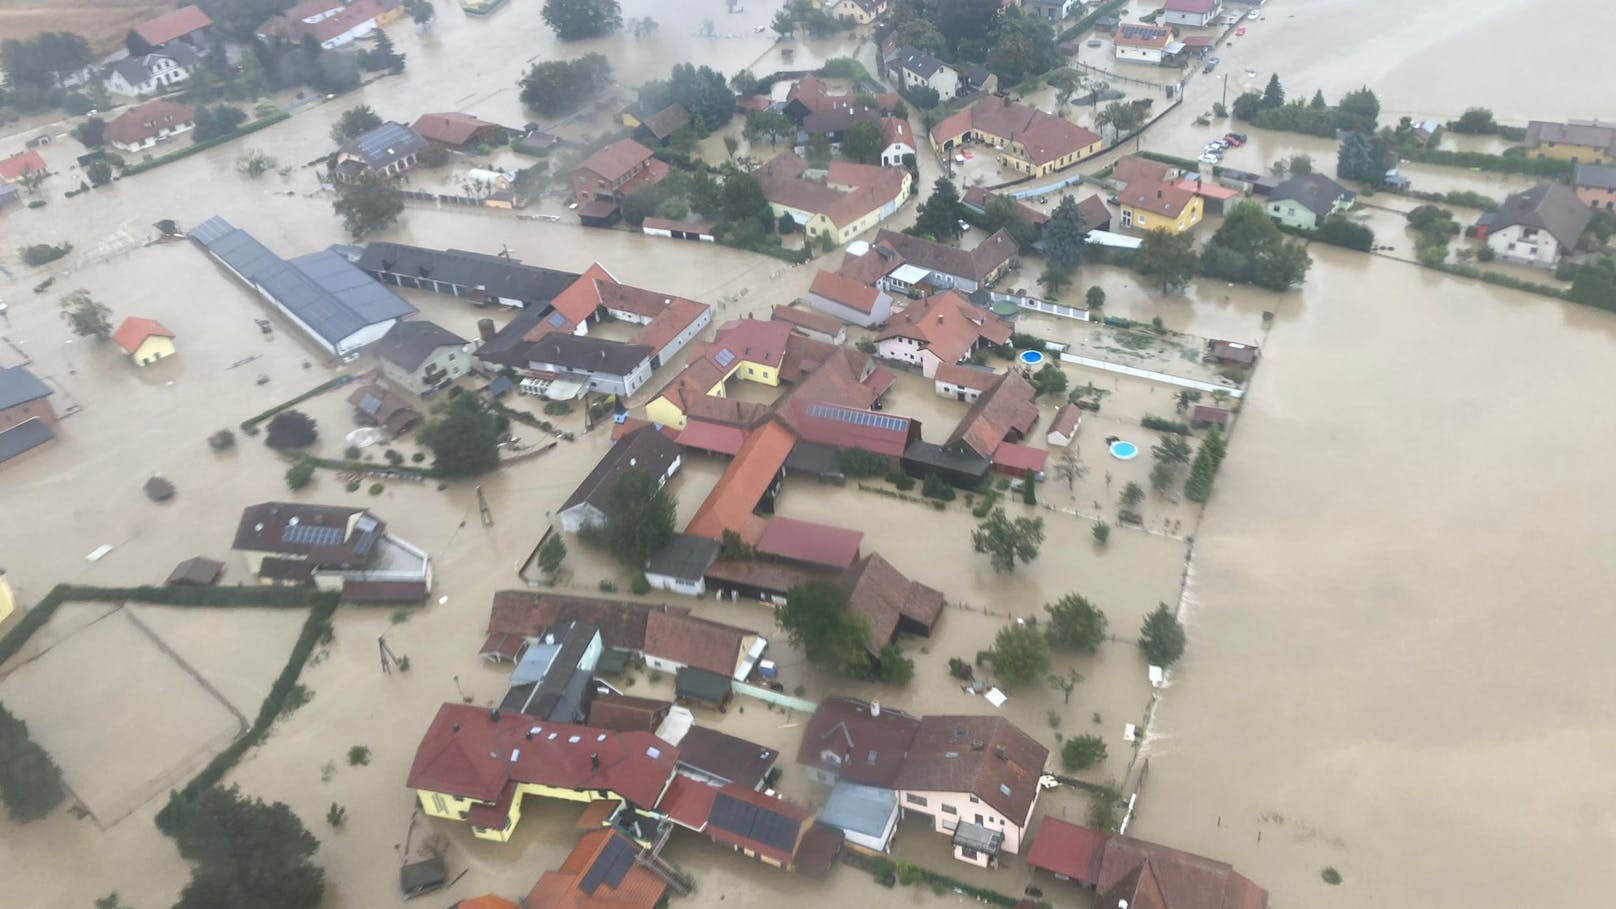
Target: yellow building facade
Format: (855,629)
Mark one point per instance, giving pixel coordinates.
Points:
(1142,218)
(153,349)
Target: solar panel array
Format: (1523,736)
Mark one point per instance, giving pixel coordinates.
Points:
(754,823)
(724,357)
(610,867)
(858,417)
(312,535)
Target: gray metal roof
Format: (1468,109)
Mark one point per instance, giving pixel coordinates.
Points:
(1550,206)
(385,144)
(322,289)
(1596,176)
(409,344)
(24,437)
(686,558)
(1315,192)
(19,386)
(857,808)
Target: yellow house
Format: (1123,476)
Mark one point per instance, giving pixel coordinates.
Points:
(747,349)
(851,199)
(1160,206)
(1578,141)
(8,603)
(145,340)
(1026,139)
(476,765)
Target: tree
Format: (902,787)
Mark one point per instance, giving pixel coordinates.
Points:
(1274,94)
(1167,258)
(88,317)
(815,618)
(744,83)
(1184,400)
(1249,248)
(91,133)
(939,216)
(30,782)
(1247,105)
(1081,752)
(464,439)
(354,122)
(43,60)
(862,142)
(1300,164)
(1001,212)
(1125,117)
(254,164)
(300,474)
(861,462)
(1161,476)
(247,854)
(733,548)
(1020,45)
(922,96)
(383,56)
(291,429)
(743,198)
(1318,101)
(1594,284)
(819,148)
(1049,380)
(1198,488)
(1476,121)
(558,87)
(639,517)
(1005,541)
(1364,157)
(1132,494)
(1172,450)
(99,172)
(1095,298)
(1101,533)
(575,20)
(1076,623)
(1359,109)
(1020,655)
(1065,235)
(1162,637)
(784,22)
(216,121)
(422,13)
(701,91)
(767,126)
(1070,469)
(367,204)
(1338,231)
(551,554)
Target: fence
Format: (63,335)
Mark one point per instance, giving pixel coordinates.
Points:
(1073,180)
(1162,377)
(1052,309)
(442,198)
(774,697)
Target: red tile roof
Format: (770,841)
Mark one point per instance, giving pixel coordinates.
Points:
(741,488)
(614,161)
(963,754)
(1134,169)
(1209,190)
(289,25)
(694,642)
(19,164)
(1205,414)
(966,376)
(524,614)
(468,753)
(1069,850)
(134,331)
(678,315)
(711,437)
(1167,199)
(807,319)
(573,886)
(451,128)
(844,737)
(1131,869)
(1005,412)
(1067,419)
(688,802)
(806,541)
(948,325)
(882,594)
(868,268)
(577,302)
(486,901)
(1019,458)
(171,25)
(142,122)
(839,426)
(846,291)
(1045,137)
(850,191)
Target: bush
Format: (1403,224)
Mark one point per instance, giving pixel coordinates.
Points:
(376,489)
(1101,532)
(1158,424)
(1082,752)
(937,488)
(1338,231)
(30,782)
(557,408)
(861,462)
(358,756)
(352,452)
(903,481)
(222,440)
(291,429)
(43,253)
(640,585)
(1330,876)
(300,474)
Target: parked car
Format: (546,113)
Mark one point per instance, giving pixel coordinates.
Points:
(1240,32)
(1239,138)
(1211,65)
(1254,15)
(1209,158)
(1095,42)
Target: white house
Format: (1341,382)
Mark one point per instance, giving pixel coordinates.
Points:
(898,142)
(848,300)
(609,367)
(423,356)
(917,69)
(145,74)
(1142,43)
(145,125)
(962,381)
(1537,226)
(1063,429)
(976,777)
(681,566)
(645,449)
(1197,13)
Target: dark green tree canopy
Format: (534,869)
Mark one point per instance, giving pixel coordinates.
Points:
(1020,655)
(368,204)
(464,439)
(1006,541)
(639,517)
(938,217)
(557,87)
(1076,623)
(815,618)
(575,20)
(1162,637)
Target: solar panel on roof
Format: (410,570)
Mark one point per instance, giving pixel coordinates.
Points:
(556,319)
(309,534)
(753,822)
(858,417)
(724,357)
(610,867)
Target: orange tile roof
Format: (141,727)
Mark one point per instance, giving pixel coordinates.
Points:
(947,324)
(616,160)
(134,331)
(486,901)
(846,291)
(171,25)
(674,318)
(1209,190)
(137,124)
(1007,411)
(1156,198)
(1132,168)
(850,191)
(807,319)
(637,887)
(577,302)
(19,164)
(743,485)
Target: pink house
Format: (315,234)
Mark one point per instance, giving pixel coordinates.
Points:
(976,777)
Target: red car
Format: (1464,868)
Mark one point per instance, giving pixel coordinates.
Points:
(1234,140)
(1240,32)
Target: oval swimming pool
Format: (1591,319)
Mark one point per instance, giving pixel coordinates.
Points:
(1031,357)
(1124,451)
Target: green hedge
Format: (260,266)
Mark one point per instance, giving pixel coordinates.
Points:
(1174,160)
(914,874)
(794,256)
(1087,22)
(365,466)
(248,424)
(1157,424)
(1503,164)
(195,147)
(31,621)
(270,597)
(1501,279)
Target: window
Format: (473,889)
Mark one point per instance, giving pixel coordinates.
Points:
(913,799)
(967,852)
(439,804)
(950,809)
(975,800)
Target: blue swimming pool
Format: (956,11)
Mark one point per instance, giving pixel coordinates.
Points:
(1124,451)
(1031,357)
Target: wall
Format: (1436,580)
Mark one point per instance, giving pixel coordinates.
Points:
(582,515)
(661,410)
(1565,152)
(979,812)
(1292,214)
(152,349)
(39,409)
(1543,251)
(757,372)
(879,312)
(676,585)
(1139,54)
(1148,374)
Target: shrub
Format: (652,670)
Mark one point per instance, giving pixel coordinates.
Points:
(860,462)
(557,408)
(640,585)
(1158,424)
(1029,488)
(43,253)
(291,429)
(937,488)
(353,485)
(300,474)
(1330,876)
(1338,231)
(358,756)
(352,452)
(222,440)
(1082,752)
(903,481)
(376,489)
(1101,532)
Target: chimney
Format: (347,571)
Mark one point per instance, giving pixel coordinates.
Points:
(998,752)
(875,708)
(493,714)
(485,330)
(454,727)
(594,762)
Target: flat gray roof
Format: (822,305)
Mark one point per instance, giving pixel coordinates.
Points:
(19,386)
(24,437)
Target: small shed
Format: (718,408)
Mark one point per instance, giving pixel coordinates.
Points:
(680,566)
(1015,460)
(423,876)
(1063,429)
(145,340)
(599,213)
(1203,416)
(964,470)
(702,687)
(197,572)
(977,844)
(1230,353)
(159,489)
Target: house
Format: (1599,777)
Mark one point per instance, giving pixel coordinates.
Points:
(977,778)
(335,547)
(1196,13)
(866,815)
(850,199)
(1577,141)
(477,277)
(388,150)
(339,307)
(609,367)
(963,381)
(942,266)
(1596,186)
(1134,169)
(622,713)
(848,300)
(476,765)
(681,566)
(1306,201)
(1215,199)
(1230,353)
(195,572)
(145,340)
(1027,140)
(943,328)
(423,356)
(330,23)
(1203,416)
(26,416)
(976,199)
(748,485)
(858,12)
(718,759)
(700,231)
(377,405)
(537,142)
(660,126)
(615,171)
(979,79)
(699,686)
(853,741)
(811,324)
(1538,226)
(1005,412)
(1052,10)
(916,68)
(23,163)
(518,617)
(767,582)
(809,95)
(1426,131)
(644,449)
(1127,871)
(457,130)
(604,871)
(675,641)
(1141,43)
(144,74)
(889,602)
(551,680)
(188,26)
(758,825)
(807,543)
(897,142)
(1063,428)
(668,323)
(1160,206)
(144,125)
(748,349)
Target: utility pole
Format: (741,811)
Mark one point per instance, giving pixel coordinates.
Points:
(1225,89)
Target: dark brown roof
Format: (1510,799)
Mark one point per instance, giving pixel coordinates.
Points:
(384,591)
(986,756)
(844,737)
(1550,206)
(807,320)
(881,593)
(644,449)
(1132,169)
(627,714)
(730,759)
(1095,215)
(682,638)
(319,533)
(667,121)
(767,576)
(526,614)
(198,571)
(614,161)
(1005,412)
(975,264)
(1574,132)
(1151,876)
